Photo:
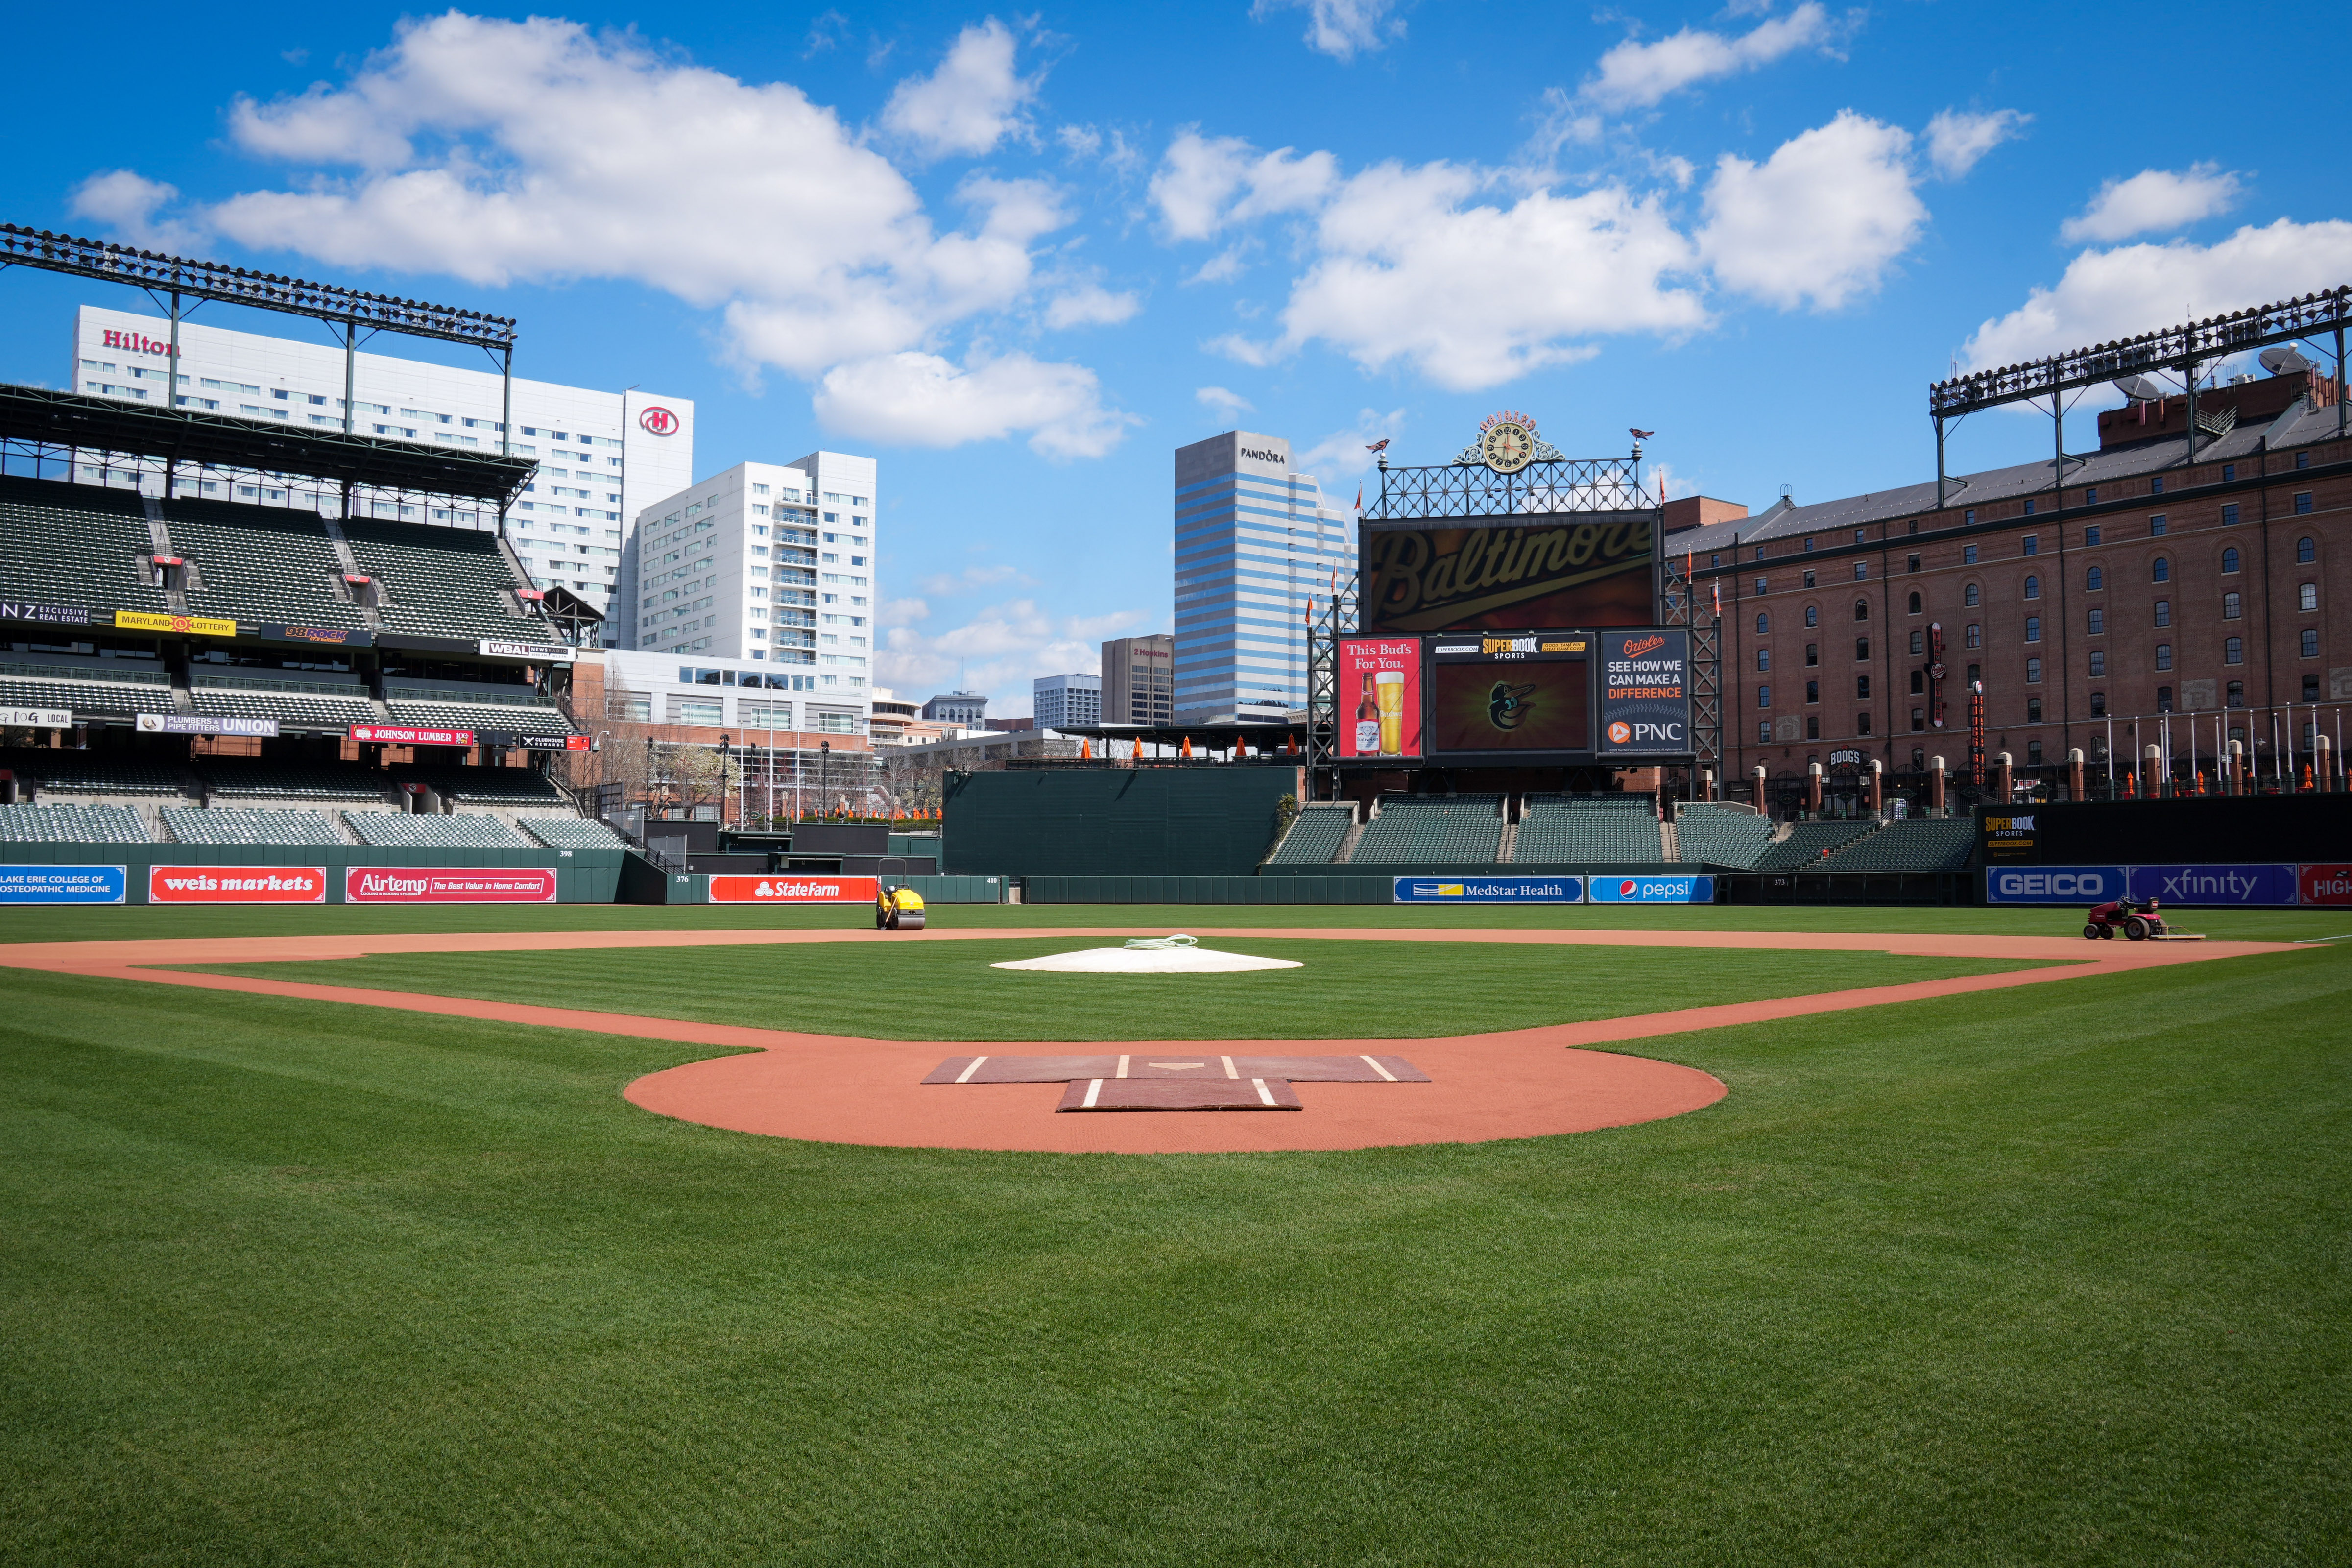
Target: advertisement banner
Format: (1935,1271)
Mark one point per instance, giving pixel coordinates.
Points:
(793,890)
(203,725)
(537,652)
(401,735)
(2055,884)
(237,884)
(2009,838)
(1548,571)
(2325,884)
(1501,694)
(448,885)
(36,717)
(55,615)
(62,884)
(341,636)
(1645,693)
(1649,890)
(150,621)
(1490,890)
(2215,884)
(1379,697)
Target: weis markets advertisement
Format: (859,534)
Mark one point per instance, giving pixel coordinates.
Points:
(793,890)
(1645,693)
(448,885)
(237,884)
(1379,690)
(1490,890)
(62,884)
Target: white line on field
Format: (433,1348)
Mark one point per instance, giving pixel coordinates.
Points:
(1230,1071)
(1264,1093)
(1094,1088)
(1122,1066)
(1381,1070)
(965,1076)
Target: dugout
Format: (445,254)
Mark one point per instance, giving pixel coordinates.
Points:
(1099,822)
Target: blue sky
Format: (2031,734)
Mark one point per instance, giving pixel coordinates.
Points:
(1021,257)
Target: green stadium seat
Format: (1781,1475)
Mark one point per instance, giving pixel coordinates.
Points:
(1571,829)
(1433,830)
(1926,844)
(291,828)
(1721,835)
(572,832)
(402,830)
(1315,837)
(72,825)
(1808,842)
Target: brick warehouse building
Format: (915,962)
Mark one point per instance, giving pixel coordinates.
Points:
(2147,586)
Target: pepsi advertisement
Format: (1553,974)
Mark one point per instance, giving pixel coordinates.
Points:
(1649,889)
(1645,693)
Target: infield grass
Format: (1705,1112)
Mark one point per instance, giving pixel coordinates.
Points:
(947,990)
(2051,1274)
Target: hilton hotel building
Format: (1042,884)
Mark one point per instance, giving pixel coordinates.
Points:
(1254,541)
(603,456)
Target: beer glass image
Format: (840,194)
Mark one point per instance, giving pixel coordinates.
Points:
(1390,686)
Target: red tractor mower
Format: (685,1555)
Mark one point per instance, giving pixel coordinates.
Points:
(2136,918)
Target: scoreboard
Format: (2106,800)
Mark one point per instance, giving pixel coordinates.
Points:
(1537,696)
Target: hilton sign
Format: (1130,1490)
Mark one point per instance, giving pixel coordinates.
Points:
(138,344)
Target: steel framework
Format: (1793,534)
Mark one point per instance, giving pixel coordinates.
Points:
(1462,489)
(2184,351)
(1706,623)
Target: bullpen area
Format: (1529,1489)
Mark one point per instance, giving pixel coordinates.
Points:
(566,1233)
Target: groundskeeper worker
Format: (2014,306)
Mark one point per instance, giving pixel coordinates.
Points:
(898,909)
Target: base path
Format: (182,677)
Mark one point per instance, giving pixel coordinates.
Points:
(1522,1083)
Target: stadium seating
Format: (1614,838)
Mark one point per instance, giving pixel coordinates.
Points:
(1315,837)
(82,772)
(401,830)
(1808,842)
(64,543)
(318,704)
(1433,830)
(451,707)
(1926,844)
(572,832)
(230,826)
(486,786)
(1598,828)
(1720,836)
(237,776)
(31,681)
(259,563)
(442,581)
(72,823)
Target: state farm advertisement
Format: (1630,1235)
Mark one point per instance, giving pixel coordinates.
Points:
(447,885)
(1379,697)
(237,884)
(793,890)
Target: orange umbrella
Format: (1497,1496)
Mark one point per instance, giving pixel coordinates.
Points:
(1185,751)
(1139,749)
(1086,750)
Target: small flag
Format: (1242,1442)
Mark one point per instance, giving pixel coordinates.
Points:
(1360,498)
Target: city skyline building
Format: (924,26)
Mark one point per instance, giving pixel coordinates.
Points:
(602,455)
(1254,539)
(967,708)
(769,563)
(1061,701)
(1139,679)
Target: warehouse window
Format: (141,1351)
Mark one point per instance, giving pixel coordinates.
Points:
(1813,654)
(2233,650)
(1813,691)
(2033,629)
(1968,552)
(1763,732)
(1914,604)
(2302,500)
(1762,586)
(2033,713)
(1861,609)
(1862,650)
(1918,642)
(2229,559)
(2032,544)
(1862,686)
(2033,587)
(1763,623)
(2091,535)
(2306,597)
(2098,661)
(2032,672)
(2230,606)
(1763,659)
(2157,528)
(2161,570)
(2164,612)
(1975,637)
(2163,656)
(1968,596)
(2097,621)
(1812,616)
(2229,514)
(2306,551)
(2310,641)
(1763,697)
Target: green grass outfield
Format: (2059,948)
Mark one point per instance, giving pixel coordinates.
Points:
(2053,1274)
(945,991)
(149,921)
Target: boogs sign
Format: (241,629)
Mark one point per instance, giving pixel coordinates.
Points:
(1645,693)
(1541,572)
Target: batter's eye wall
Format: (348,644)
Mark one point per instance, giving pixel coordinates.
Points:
(1113,822)
(2214,830)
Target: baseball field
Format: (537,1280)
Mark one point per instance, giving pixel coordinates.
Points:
(471,1237)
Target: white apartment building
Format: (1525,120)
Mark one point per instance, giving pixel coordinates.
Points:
(767,563)
(748,697)
(601,456)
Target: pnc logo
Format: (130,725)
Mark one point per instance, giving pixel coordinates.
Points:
(655,420)
(1619,732)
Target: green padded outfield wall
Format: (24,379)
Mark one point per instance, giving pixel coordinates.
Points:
(582,876)
(1214,821)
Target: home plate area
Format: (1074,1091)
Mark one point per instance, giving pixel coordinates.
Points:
(1175,1082)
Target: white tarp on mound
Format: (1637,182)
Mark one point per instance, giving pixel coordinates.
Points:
(1147,960)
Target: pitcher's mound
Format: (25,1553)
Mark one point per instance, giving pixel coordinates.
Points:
(1148,961)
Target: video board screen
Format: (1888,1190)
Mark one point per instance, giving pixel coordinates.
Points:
(1510,694)
(1380,691)
(1568,570)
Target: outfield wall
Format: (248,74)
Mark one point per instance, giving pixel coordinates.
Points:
(329,874)
(1096,822)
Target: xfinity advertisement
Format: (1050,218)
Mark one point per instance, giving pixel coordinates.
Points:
(1645,693)
(2261,886)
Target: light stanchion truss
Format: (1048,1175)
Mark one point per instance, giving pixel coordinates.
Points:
(1325,627)
(1685,607)
(2183,352)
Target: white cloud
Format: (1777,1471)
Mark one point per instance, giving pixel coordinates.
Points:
(947,585)
(1344,453)
(1635,75)
(1225,266)
(1341,29)
(924,400)
(1090,305)
(2109,294)
(1000,651)
(1958,138)
(1204,184)
(1414,267)
(1223,404)
(129,203)
(1079,140)
(1819,221)
(2151,202)
(971,103)
(902,613)
(497,151)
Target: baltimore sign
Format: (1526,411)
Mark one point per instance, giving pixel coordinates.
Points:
(1542,572)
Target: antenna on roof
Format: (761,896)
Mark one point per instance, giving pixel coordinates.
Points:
(2283,359)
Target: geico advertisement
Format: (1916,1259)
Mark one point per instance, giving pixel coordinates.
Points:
(2055,885)
(237,884)
(793,890)
(1645,693)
